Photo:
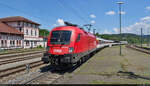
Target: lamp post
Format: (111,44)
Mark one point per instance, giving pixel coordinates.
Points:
(141,37)
(119,3)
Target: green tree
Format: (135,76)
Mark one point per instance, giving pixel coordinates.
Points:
(43,32)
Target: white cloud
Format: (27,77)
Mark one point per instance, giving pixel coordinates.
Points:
(92,16)
(122,12)
(148,7)
(136,27)
(147,18)
(116,30)
(106,32)
(110,13)
(93,22)
(60,22)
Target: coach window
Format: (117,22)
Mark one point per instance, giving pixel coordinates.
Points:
(78,38)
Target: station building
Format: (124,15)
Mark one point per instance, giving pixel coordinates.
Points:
(10,37)
(19,32)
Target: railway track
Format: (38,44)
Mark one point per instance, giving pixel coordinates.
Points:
(18,54)
(14,58)
(45,78)
(36,77)
(21,51)
(20,59)
(19,68)
(138,49)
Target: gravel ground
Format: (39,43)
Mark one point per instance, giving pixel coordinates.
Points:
(108,67)
(21,76)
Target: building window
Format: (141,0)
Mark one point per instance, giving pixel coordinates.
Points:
(23,24)
(19,42)
(31,32)
(10,43)
(18,23)
(31,25)
(7,37)
(2,42)
(13,43)
(5,43)
(27,24)
(20,29)
(27,43)
(35,32)
(27,32)
(36,26)
(35,43)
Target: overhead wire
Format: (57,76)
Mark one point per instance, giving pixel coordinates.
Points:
(23,12)
(77,13)
(70,8)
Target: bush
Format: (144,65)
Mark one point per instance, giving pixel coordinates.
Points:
(39,46)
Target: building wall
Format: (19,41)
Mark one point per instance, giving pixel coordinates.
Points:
(31,33)
(42,42)
(10,41)
(31,37)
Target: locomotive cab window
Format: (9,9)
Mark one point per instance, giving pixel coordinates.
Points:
(60,37)
(78,38)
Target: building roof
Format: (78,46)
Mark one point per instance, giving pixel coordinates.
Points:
(4,28)
(17,18)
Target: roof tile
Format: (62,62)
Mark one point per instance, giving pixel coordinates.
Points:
(4,28)
(17,18)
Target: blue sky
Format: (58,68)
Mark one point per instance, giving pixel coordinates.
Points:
(102,13)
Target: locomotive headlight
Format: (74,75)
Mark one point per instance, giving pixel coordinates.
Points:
(70,49)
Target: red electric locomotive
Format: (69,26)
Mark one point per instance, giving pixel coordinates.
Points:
(68,45)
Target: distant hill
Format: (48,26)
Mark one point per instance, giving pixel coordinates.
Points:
(43,32)
(131,38)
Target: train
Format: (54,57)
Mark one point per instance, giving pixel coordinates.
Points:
(69,45)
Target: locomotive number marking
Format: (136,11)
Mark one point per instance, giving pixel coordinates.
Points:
(57,50)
